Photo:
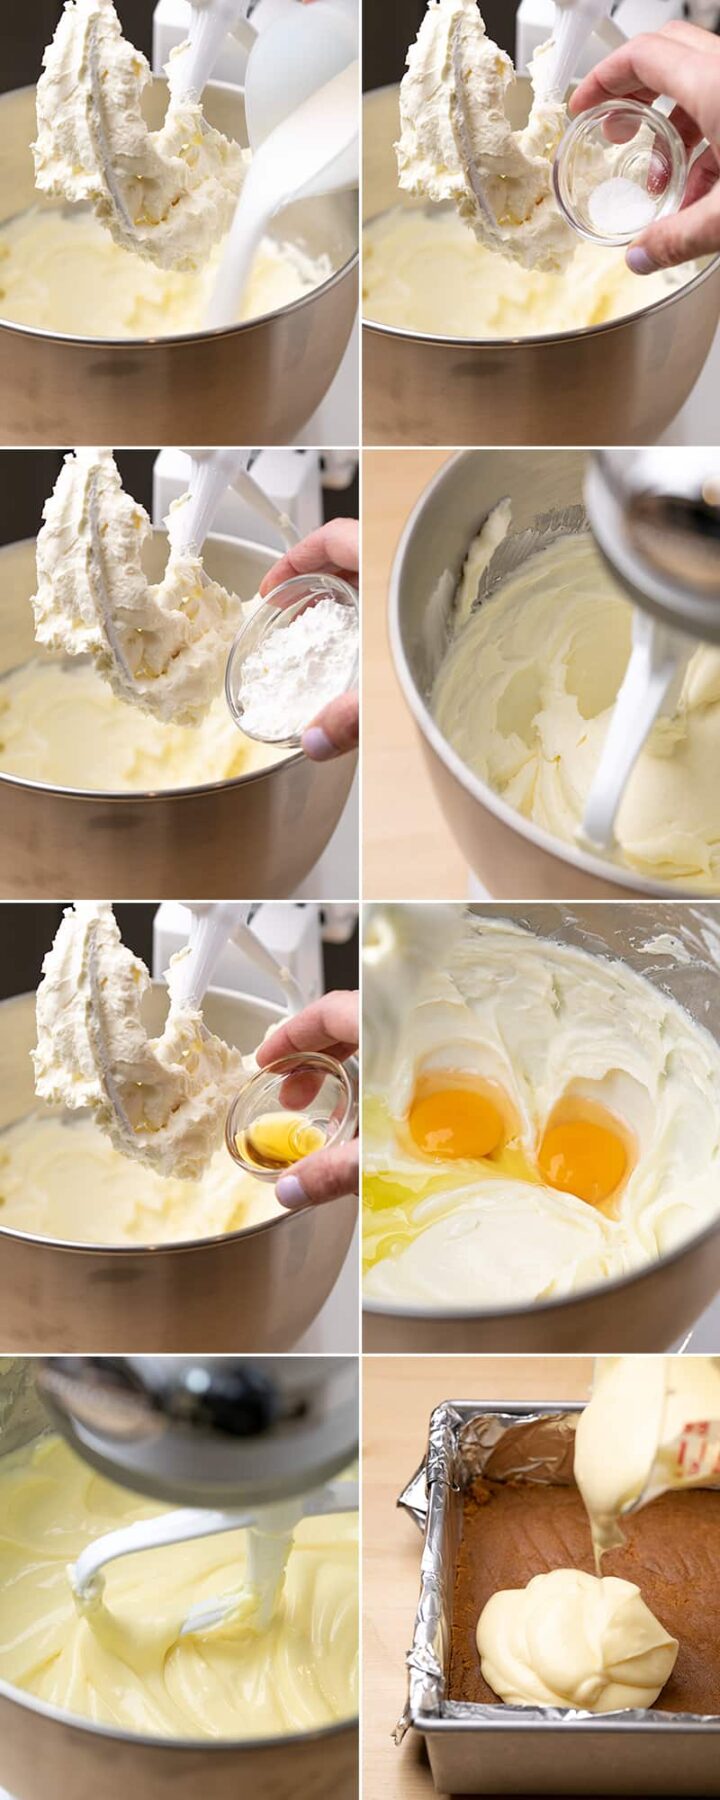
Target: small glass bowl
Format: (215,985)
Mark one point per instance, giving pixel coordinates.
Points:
(277,611)
(608,144)
(317,1090)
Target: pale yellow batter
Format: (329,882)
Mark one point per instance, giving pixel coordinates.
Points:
(298,1675)
(62,1178)
(63,725)
(61,271)
(424,271)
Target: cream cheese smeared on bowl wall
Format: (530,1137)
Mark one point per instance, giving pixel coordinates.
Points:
(525,690)
(536,1121)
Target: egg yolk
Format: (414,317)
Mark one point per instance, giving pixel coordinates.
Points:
(456,1122)
(585,1157)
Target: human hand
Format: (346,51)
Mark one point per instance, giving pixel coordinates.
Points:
(330,1024)
(682,61)
(334,550)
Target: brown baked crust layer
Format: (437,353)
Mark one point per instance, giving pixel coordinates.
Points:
(512,1531)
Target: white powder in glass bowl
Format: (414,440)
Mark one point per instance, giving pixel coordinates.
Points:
(297,670)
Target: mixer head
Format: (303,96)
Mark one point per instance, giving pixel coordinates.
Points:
(207,1431)
(655,515)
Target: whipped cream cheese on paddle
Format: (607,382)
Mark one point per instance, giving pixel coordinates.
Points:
(162,1101)
(161,647)
(168,195)
(457,143)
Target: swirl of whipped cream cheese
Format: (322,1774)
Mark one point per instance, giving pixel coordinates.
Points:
(163,648)
(525,695)
(162,1101)
(168,195)
(571,1639)
(457,144)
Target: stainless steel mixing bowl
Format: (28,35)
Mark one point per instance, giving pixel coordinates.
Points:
(257,1290)
(259,834)
(647,1311)
(512,857)
(619,383)
(44,1751)
(259,382)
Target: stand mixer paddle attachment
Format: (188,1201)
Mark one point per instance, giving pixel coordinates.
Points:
(655,516)
(254,1445)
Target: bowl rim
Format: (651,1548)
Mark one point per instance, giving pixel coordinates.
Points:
(219,332)
(570,855)
(132,796)
(181,1246)
(538,339)
(140,1740)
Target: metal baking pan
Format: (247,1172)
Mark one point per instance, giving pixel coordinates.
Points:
(478,1749)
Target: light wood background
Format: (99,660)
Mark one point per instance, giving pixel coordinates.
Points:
(399,1395)
(408,851)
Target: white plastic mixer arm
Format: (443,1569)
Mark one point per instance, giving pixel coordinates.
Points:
(214,925)
(575,22)
(212,473)
(192,63)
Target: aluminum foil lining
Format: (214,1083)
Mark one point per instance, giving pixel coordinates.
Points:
(533,1444)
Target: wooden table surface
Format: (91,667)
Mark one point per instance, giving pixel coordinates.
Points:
(408,851)
(399,1395)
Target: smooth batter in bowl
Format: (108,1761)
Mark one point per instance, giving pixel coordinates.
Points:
(618,379)
(152,374)
(98,798)
(83,1724)
(538,1054)
(143,1265)
(129,1667)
